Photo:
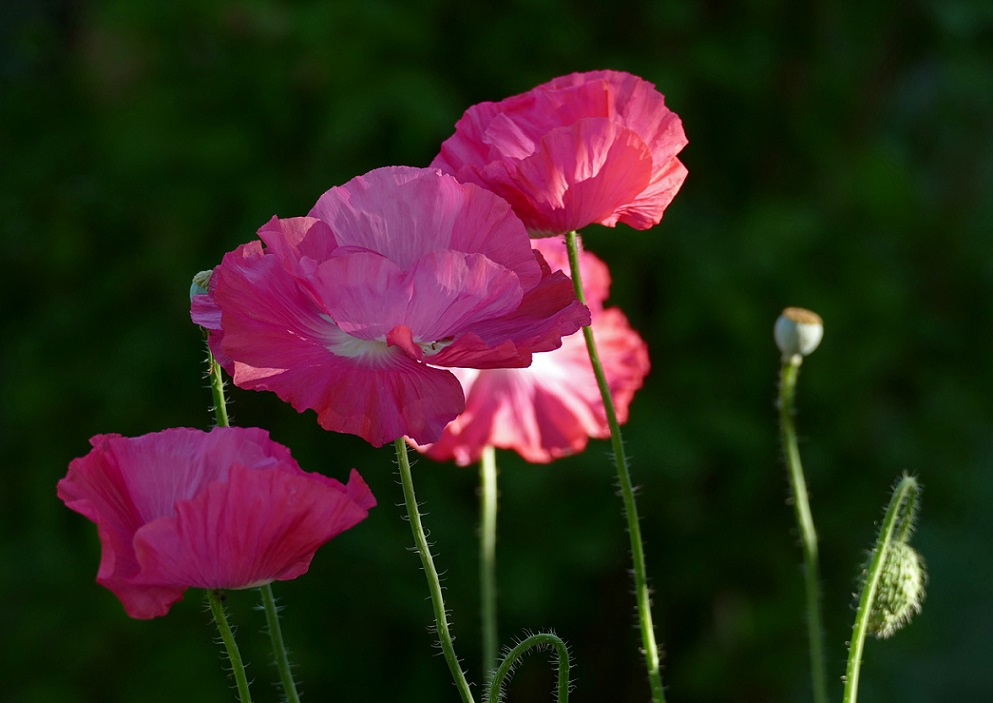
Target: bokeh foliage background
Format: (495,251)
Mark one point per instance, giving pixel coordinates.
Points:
(840,158)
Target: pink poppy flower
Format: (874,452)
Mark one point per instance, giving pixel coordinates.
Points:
(184,508)
(351,310)
(553,407)
(596,147)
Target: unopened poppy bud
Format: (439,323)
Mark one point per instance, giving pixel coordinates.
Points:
(201,283)
(798,332)
(900,592)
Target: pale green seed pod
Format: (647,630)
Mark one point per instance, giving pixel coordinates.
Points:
(900,592)
(798,332)
(201,283)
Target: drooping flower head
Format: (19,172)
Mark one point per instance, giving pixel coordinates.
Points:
(553,407)
(185,508)
(597,147)
(350,310)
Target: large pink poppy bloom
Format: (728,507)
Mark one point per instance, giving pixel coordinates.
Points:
(553,407)
(596,147)
(185,508)
(350,310)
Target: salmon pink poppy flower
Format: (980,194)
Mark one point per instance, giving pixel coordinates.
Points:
(351,310)
(553,407)
(184,508)
(596,147)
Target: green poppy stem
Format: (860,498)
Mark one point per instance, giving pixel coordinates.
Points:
(642,596)
(214,597)
(542,640)
(430,572)
(278,646)
(487,558)
(899,516)
(805,522)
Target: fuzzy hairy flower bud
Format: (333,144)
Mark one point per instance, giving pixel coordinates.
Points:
(798,332)
(900,592)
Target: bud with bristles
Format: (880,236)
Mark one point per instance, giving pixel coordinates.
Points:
(900,591)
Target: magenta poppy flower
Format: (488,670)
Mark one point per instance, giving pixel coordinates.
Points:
(553,407)
(185,508)
(351,310)
(586,148)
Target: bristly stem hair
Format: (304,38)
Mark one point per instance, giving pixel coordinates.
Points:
(214,597)
(430,572)
(539,641)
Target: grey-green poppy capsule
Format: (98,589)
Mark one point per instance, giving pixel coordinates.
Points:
(798,331)
(201,283)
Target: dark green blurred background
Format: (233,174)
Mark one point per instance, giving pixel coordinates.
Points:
(840,158)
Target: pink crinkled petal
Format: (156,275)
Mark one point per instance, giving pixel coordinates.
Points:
(647,209)
(269,320)
(552,408)
(548,312)
(402,338)
(284,343)
(493,143)
(300,243)
(437,297)
(384,404)
(637,105)
(578,175)
(125,483)
(594,273)
(95,488)
(404,213)
(624,357)
(205,312)
(511,129)
(254,528)
(602,164)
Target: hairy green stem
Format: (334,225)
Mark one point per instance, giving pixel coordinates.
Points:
(278,646)
(541,640)
(217,390)
(487,557)
(214,597)
(430,572)
(805,522)
(642,595)
(899,516)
